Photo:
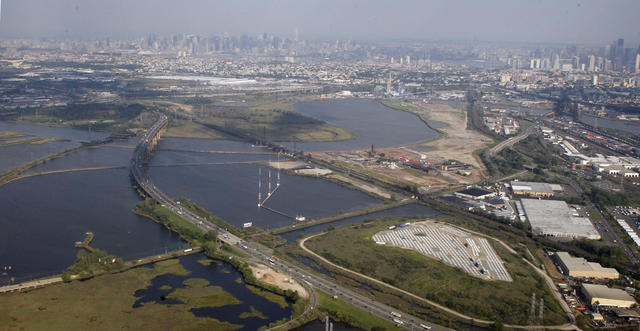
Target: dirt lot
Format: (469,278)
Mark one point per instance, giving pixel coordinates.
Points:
(270,276)
(287,165)
(362,185)
(457,143)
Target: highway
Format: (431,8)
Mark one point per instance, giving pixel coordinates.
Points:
(257,252)
(511,141)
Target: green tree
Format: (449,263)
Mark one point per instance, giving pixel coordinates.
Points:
(211,235)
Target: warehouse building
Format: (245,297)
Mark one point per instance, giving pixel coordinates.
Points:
(535,189)
(555,219)
(475,193)
(580,268)
(602,296)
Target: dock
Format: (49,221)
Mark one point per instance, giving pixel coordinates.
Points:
(85,244)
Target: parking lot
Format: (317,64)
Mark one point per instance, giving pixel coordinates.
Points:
(450,245)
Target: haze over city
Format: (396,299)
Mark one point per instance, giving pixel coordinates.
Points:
(308,165)
(547,21)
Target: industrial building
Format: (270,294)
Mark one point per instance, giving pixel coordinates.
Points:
(535,189)
(556,219)
(603,296)
(624,166)
(475,193)
(580,268)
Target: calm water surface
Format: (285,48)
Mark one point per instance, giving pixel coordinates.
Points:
(411,210)
(628,126)
(372,122)
(42,217)
(14,156)
(218,274)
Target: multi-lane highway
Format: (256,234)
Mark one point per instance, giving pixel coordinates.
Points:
(257,252)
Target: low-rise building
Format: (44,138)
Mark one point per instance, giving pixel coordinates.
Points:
(555,218)
(535,189)
(475,193)
(580,268)
(603,296)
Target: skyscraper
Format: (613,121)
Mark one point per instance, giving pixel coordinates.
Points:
(576,62)
(620,47)
(592,63)
(637,63)
(556,61)
(607,52)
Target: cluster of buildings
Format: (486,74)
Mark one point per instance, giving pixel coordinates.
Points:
(552,218)
(624,166)
(588,278)
(577,267)
(502,125)
(475,197)
(575,131)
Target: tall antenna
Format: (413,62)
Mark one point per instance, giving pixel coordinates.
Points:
(259,187)
(269,192)
(278,183)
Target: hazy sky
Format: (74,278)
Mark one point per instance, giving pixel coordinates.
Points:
(573,21)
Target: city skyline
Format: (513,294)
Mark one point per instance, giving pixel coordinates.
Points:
(543,21)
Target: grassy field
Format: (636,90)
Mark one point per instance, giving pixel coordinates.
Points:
(275,123)
(30,141)
(509,302)
(260,117)
(188,129)
(160,214)
(11,135)
(344,312)
(110,117)
(105,303)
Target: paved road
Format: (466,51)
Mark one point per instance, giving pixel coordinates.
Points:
(511,141)
(443,308)
(510,177)
(258,253)
(31,284)
(607,230)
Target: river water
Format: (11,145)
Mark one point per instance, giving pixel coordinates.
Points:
(43,216)
(411,210)
(230,191)
(17,155)
(221,274)
(628,126)
(372,122)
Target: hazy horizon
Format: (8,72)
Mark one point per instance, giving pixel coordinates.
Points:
(541,21)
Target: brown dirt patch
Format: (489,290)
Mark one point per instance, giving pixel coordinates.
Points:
(283,281)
